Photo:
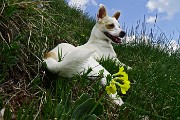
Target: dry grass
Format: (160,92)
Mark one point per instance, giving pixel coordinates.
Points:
(28,91)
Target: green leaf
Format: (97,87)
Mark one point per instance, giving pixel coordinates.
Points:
(10,10)
(58,110)
(15,46)
(82,99)
(98,110)
(44,65)
(90,117)
(83,108)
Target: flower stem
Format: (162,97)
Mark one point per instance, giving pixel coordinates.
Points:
(97,103)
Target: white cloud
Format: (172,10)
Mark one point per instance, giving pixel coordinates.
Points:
(82,4)
(151,19)
(167,7)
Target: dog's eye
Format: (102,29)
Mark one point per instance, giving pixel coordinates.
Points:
(110,26)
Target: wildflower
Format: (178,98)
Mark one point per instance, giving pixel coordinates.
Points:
(121,75)
(121,72)
(111,89)
(124,87)
(120,79)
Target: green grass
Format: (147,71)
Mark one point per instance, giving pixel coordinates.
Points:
(28,91)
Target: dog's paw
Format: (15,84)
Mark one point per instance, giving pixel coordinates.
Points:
(126,66)
(118,63)
(129,68)
(116,99)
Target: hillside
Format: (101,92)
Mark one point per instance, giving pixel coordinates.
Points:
(28,91)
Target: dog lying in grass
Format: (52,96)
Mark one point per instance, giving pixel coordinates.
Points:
(68,60)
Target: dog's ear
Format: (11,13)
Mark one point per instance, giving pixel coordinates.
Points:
(102,12)
(116,15)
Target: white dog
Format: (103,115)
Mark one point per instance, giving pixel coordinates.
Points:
(67,60)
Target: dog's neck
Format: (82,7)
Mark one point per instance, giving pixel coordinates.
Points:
(100,44)
(93,39)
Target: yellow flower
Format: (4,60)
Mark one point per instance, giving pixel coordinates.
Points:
(112,83)
(121,71)
(124,87)
(123,77)
(111,89)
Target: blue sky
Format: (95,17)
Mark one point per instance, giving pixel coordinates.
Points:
(167,11)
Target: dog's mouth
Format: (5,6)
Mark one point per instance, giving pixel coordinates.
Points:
(113,38)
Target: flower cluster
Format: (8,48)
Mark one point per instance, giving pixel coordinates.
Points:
(120,79)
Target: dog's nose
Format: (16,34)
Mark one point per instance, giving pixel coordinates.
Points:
(122,34)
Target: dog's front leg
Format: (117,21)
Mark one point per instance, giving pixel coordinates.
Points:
(116,99)
(96,68)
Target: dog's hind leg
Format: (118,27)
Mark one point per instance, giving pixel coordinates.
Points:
(61,50)
(71,64)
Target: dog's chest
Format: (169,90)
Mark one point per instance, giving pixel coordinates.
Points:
(102,51)
(105,53)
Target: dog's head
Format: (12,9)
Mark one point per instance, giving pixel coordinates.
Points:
(109,26)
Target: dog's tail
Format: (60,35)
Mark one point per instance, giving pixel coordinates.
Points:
(50,55)
(71,63)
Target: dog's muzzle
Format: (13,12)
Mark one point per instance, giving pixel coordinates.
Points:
(122,34)
(116,39)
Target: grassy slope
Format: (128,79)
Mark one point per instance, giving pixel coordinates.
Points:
(27,91)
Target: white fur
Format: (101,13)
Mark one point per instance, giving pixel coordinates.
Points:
(76,60)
